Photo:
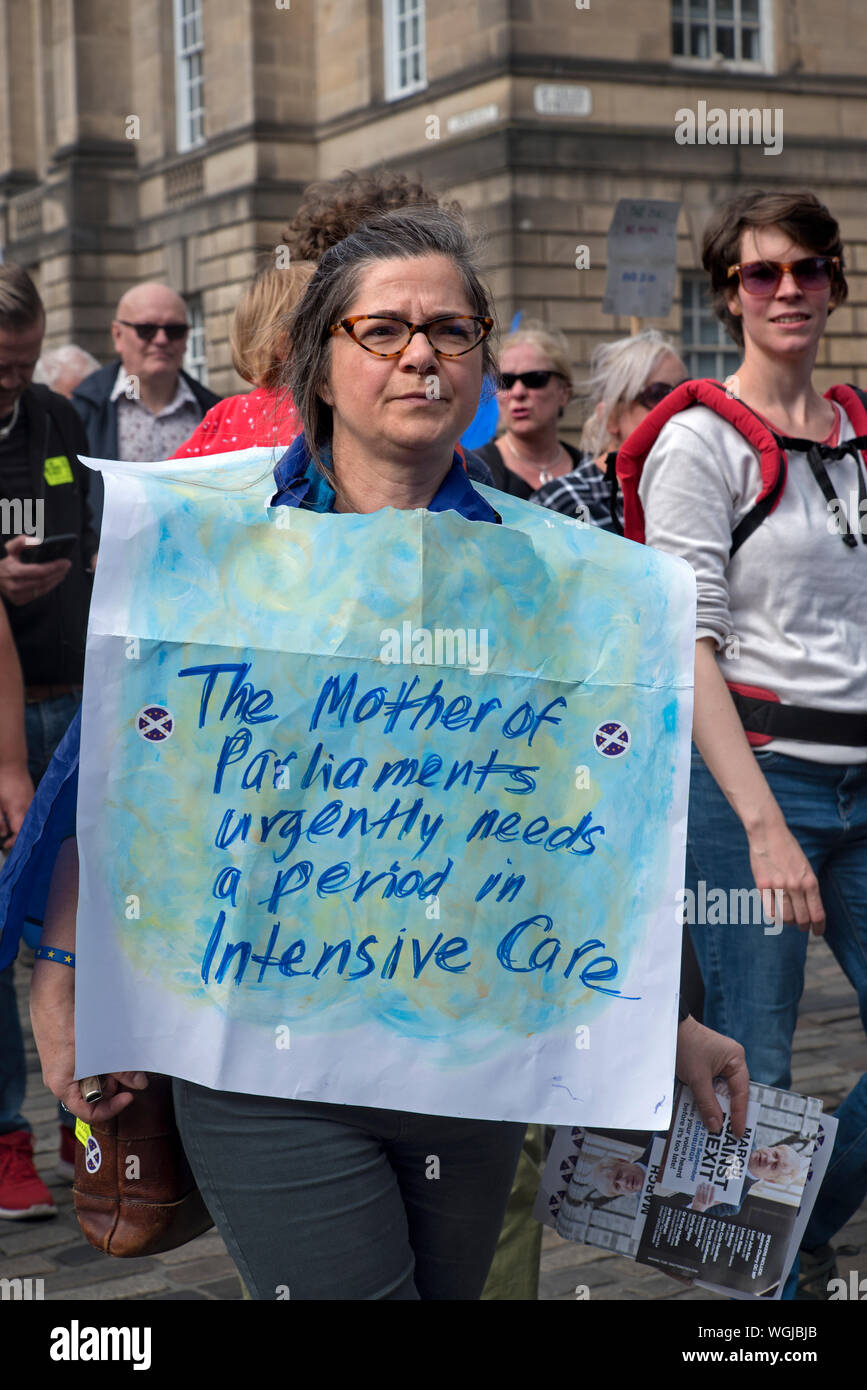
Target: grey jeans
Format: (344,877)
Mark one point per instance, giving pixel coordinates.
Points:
(324,1202)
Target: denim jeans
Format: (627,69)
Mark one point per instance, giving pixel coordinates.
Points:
(45,724)
(322,1202)
(13,1072)
(754,977)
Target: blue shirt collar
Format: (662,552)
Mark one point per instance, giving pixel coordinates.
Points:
(299,481)
(300,484)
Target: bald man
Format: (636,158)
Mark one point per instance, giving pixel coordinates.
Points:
(142,406)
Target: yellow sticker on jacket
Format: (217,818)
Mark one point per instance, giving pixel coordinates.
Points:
(82,1131)
(58,470)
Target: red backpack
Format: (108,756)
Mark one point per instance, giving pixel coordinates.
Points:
(761,712)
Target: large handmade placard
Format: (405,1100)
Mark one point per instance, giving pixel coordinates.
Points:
(383,810)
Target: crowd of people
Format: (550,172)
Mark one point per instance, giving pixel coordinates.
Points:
(778,794)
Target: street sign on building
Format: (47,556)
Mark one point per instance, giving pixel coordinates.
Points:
(562,99)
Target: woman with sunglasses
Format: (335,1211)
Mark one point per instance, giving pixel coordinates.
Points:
(390,345)
(535,388)
(782,618)
(627,379)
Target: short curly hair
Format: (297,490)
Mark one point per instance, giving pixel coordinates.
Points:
(801,215)
(331,209)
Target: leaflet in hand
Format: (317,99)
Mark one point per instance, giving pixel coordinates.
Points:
(712,1166)
(690,1203)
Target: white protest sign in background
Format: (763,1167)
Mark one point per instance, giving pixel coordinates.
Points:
(642,258)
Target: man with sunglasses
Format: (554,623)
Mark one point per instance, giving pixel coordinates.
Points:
(142,406)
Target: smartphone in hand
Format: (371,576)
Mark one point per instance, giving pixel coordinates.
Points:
(61,547)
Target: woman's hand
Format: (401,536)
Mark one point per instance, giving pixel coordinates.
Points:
(783,872)
(16,794)
(702,1055)
(118,1091)
(52,1000)
(776,859)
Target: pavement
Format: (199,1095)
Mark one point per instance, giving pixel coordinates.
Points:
(829,1058)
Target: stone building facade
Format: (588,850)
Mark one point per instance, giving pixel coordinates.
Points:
(171,139)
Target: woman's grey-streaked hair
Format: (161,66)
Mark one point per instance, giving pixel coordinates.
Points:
(618,372)
(401,234)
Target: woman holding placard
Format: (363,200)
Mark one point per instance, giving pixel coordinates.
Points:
(337,1201)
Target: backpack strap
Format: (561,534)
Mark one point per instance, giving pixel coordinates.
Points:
(632,454)
(764,717)
(817,454)
(854,402)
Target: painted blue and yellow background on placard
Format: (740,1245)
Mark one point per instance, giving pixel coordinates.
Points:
(280,892)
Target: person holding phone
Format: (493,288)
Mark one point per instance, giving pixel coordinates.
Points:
(48,548)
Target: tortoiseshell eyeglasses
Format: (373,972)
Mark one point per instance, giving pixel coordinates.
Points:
(388,336)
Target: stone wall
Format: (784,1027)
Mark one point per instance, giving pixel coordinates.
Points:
(296,92)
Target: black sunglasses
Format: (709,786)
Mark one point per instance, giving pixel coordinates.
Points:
(147,331)
(654,392)
(534,381)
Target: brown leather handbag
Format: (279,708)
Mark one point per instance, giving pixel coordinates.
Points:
(134,1190)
